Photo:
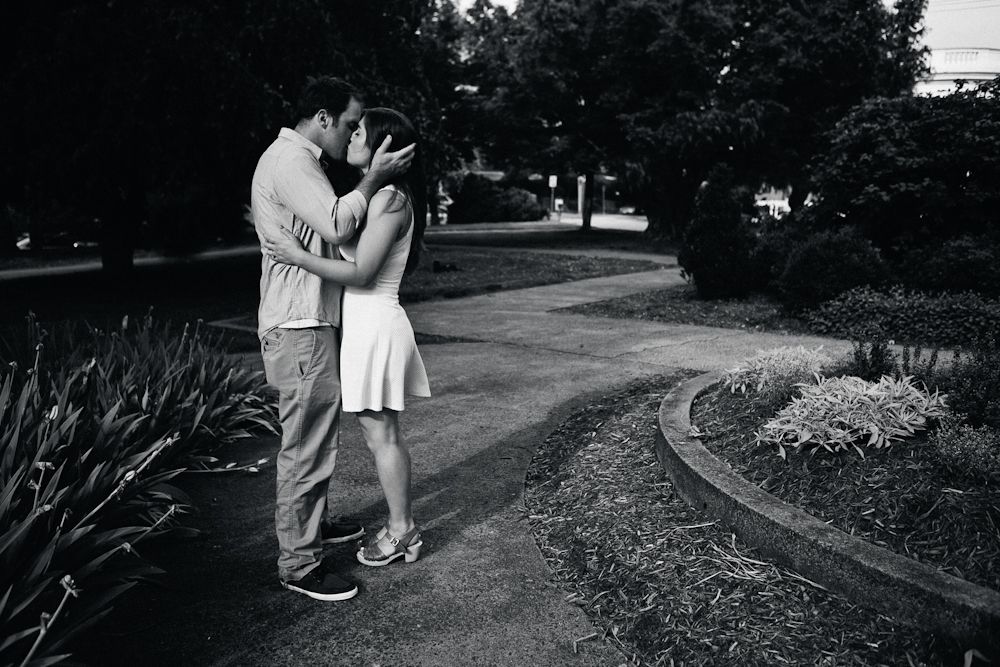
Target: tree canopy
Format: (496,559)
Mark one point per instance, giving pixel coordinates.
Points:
(156,112)
(662,90)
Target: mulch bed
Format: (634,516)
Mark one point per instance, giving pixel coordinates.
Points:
(681,305)
(668,585)
(901,498)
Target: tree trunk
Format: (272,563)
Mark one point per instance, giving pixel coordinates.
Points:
(8,239)
(117,248)
(432,204)
(800,190)
(668,207)
(587,205)
(118,227)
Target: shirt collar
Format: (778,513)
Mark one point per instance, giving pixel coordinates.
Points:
(296,138)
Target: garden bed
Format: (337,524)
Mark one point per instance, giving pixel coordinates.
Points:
(901,498)
(666,583)
(681,305)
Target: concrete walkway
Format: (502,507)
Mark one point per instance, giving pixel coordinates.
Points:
(481,593)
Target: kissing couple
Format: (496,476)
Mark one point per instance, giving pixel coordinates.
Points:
(333,335)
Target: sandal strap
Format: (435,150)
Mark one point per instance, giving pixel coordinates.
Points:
(406,539)
(398,544)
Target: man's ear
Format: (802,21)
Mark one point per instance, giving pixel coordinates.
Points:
(324,119)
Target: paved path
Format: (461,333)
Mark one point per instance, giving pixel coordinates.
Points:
(481,594)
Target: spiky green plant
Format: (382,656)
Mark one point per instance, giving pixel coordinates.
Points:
(91,435)
(840,413)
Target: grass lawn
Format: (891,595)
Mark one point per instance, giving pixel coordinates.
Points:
(901,498)
(568,238)
(666,582)
(228,287)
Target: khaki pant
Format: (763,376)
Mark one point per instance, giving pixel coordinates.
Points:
(303,365)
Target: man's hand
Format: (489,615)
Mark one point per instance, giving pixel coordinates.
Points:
(387,165)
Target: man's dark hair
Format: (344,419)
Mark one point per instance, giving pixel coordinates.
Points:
(325,92)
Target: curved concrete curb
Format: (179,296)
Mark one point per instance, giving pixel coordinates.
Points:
(909,591)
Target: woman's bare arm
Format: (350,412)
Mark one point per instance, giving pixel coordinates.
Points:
(381,231)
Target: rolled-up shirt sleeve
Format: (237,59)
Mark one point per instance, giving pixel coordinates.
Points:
(301,185)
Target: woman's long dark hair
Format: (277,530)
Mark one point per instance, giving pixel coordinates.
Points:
(380,122)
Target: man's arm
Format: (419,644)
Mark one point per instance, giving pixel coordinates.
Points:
(304,188)
(301,185)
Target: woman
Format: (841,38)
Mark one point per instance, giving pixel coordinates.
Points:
(379,361)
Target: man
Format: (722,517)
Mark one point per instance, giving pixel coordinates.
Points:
(298,319)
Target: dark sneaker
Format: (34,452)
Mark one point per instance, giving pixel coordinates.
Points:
(335,532)
(321,584)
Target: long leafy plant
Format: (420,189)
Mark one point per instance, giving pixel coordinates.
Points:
(840,413)
(93,430)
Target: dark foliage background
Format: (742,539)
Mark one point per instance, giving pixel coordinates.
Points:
(142,122)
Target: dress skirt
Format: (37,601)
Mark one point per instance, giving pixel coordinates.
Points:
(379,360)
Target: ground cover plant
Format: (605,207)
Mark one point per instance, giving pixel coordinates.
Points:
(770,378)
(932,498)
(906,316)
(838,413)
(947,319)
(667,584)
(94,427)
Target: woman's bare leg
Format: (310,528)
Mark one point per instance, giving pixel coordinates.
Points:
(392,461)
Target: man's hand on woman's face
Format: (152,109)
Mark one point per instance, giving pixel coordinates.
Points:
(285,248)
(391,164)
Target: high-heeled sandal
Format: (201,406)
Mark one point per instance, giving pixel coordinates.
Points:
(406,546)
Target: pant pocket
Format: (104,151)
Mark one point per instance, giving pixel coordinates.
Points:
(305,351)
(274,353)
(272,340)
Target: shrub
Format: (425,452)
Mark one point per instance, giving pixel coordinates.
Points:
(716,248)
(90,434)
(516,204)
(770,377)
(838,413)
(906,315)
(914,166)
(964,264)
(774,243)
(868,360)
(973,383)
(478,199)
(827,264)
(967,450)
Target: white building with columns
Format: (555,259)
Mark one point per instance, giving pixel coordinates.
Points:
(948,66)
(964,41)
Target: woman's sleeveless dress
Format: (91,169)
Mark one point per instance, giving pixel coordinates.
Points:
(379,361)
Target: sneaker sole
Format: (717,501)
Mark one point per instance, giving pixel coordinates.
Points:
(346,538)
(323,597)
